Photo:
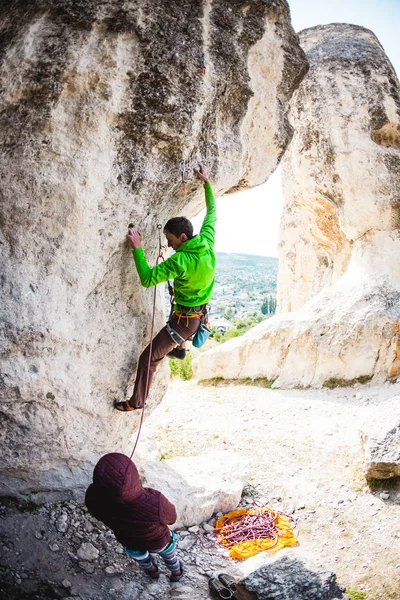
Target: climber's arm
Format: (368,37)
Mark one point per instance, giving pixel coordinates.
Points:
(208,227)
(168,269)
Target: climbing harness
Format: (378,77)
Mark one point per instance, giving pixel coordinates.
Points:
(159,257)
(175,335)
(182,187)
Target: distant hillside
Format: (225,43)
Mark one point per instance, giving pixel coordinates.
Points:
(242,260)
(242,282)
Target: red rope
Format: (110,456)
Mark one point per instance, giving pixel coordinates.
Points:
(160,256)
(260,525)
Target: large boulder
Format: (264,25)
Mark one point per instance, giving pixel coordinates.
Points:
(100,102)
(290,578)
(381,440)
(339,272)
(199,486)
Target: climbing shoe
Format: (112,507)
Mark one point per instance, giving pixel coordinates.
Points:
(123,406)
(176,353)
(228,582)
(218,590)
(176,576)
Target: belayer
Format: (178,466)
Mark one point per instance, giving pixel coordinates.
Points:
(192,267)
(139,516)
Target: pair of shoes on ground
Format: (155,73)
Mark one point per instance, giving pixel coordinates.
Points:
(222,586)
(177,353)
(173,577)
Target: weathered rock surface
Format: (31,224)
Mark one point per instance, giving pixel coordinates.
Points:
(99,103)
(340,235)
(381,440)
(199,486)
(288,578)
(341,173)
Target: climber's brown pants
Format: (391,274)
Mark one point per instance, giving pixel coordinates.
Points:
(162,344)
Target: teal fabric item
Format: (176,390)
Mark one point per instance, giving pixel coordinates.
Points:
(137,554)
(201,336)
(142,554)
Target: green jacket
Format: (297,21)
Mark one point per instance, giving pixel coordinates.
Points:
(192,267)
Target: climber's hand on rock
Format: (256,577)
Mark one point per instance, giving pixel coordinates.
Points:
(201,174)
(135,238)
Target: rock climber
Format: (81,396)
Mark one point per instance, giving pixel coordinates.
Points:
(192,267)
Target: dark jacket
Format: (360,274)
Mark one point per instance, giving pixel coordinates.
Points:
(138,516)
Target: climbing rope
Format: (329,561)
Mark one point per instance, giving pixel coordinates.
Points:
(248,532)
(250,526)
(159,257)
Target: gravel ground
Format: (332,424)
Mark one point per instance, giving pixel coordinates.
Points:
(306,457)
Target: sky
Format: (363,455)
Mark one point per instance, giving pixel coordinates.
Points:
(248,222)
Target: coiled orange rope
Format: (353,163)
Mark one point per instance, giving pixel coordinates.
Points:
(248,532)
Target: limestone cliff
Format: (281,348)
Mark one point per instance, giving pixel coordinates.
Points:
(341,174)
(340,234)
(100,101)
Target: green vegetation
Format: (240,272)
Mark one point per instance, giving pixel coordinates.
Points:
(356,594)
(166,455)
(387,484)
(240,326)
(28,506)
(182,368)
(268,307)
(220,381)
(332,382)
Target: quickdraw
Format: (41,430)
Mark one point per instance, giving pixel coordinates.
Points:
(182,187)
(203,63)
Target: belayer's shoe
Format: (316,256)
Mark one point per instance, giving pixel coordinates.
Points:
(228,582)
(123,406)
(176,353)
(153,574)
(177,576)
(218,590)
